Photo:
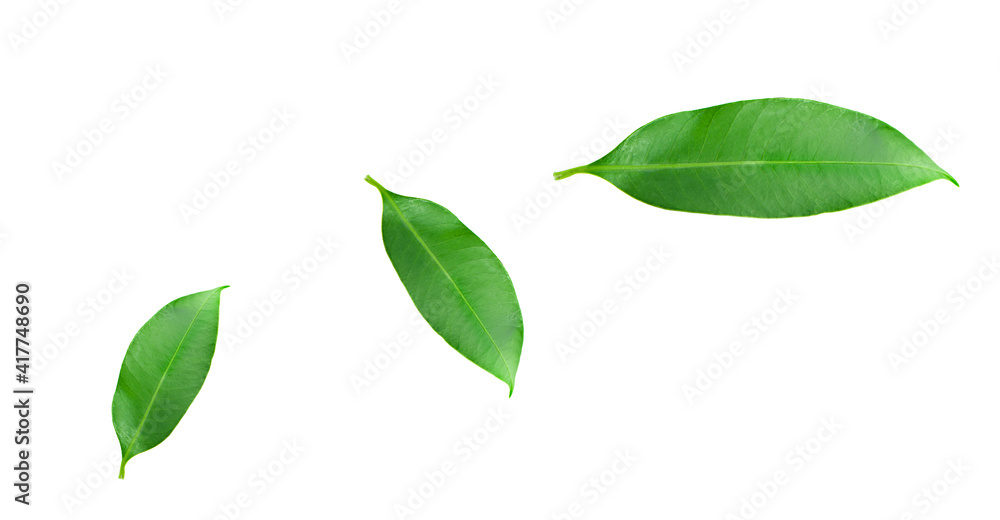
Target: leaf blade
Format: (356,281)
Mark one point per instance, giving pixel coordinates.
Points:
(767,158)
(456,282)
(163,370)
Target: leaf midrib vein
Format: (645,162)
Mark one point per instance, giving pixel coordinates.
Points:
(159,384)
(683,166)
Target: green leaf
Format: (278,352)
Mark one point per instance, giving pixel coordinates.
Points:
(163,370)
(457,283)
(766,158)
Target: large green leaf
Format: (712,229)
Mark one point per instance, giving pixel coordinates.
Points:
(457,283)
(766,158)
(163,370)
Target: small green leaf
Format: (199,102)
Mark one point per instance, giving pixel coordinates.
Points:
(163,370)
(766,158)
(457,283)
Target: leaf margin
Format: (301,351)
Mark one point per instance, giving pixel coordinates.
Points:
(386,196)
(126,453)
(594,167)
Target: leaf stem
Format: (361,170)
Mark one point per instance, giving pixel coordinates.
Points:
(569,173)
(121,472)
(373,182)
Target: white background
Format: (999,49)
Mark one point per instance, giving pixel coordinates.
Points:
(568,90)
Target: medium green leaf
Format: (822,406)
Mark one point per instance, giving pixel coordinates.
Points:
(766,158)
(163,370)
(457,283)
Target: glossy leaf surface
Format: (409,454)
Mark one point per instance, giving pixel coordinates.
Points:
(164,369)
(766,158)
(459,286)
